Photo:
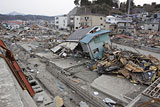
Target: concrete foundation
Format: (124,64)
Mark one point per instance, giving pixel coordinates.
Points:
(118,88)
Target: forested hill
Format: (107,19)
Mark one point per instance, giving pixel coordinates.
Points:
(25,17)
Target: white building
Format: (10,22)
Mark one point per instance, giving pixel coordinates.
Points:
(113,19)
(61,22)
(116,19)
(152,26)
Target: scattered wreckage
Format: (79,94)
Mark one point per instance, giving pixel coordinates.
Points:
(149,42)
(135,67)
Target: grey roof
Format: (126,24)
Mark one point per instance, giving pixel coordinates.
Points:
(79,34)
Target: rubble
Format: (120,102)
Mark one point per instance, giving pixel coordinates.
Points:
(135,67)
(38,48)
(148,41)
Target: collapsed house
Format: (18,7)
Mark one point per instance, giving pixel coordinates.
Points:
(91,40)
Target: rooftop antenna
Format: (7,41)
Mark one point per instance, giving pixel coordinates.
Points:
(129,5)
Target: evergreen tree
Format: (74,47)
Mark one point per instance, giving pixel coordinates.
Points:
(108,2)
(85,2)
(76,2)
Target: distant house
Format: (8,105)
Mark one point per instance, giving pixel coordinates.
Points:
(14,24)
(92,40)
(152,26)
(114,19)
(111,19)
(156,16)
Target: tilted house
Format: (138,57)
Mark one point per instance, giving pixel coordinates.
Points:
(92,40)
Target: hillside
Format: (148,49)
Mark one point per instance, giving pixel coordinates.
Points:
(25,17)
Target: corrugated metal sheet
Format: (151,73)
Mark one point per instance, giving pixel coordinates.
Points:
(56,48)
(89,37)
(69,45)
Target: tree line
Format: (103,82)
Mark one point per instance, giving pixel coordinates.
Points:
(113,3)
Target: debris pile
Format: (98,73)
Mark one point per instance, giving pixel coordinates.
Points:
(135,67)
(144,41)
(69,49)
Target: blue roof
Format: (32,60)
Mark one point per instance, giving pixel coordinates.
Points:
(89,37)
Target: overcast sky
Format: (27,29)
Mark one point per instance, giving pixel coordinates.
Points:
(45,7)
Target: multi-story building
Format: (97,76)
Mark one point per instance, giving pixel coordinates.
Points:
(61,22)
(74,22)
(94,20)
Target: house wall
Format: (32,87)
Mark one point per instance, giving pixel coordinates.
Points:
(98,43)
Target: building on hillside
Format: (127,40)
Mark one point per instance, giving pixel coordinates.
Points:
(92,40)
(74,17)
(156,16)
(152,26)
(113,19)
(94,20)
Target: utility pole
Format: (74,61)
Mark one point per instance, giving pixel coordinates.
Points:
(129,5)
